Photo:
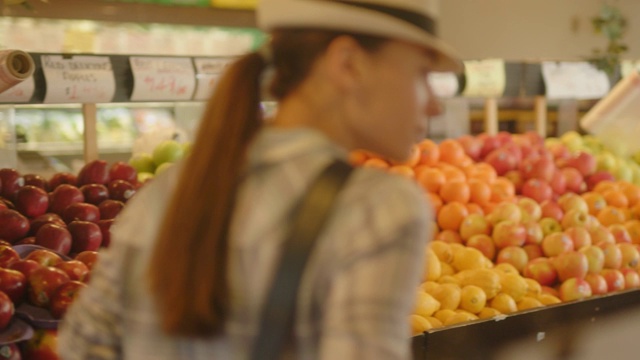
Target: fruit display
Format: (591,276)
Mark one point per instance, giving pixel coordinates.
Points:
(163,156)
(520,223)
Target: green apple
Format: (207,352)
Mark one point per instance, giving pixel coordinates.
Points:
(572,140)
(606,161)
(163,167)
(623,171)
(636,157)
(168,151)
(551,141)
(142,163)
(144,176)
(186,148)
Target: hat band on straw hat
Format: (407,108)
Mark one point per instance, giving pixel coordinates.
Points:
(422,21)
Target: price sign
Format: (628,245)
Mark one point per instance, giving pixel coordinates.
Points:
(78,79)
(208,72)
(574,80)
(628,66)
(444,85)
(484,78)
(19,93)
(235,4)
(162,78)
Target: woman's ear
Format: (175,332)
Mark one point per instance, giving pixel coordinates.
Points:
(346,62)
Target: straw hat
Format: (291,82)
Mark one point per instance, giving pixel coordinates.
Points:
(410,20)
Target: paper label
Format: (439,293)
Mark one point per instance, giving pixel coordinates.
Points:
(444,84)
(19,93)
(574,80)
(208,72)
(78,79)
(162,78)
(484,78)
(235,4)
(628,66)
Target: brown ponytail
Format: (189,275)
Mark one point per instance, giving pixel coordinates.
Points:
(188,268)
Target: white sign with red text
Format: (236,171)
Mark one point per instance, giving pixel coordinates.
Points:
(162,78)
(78,79)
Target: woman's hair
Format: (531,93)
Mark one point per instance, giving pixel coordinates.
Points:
(188,267)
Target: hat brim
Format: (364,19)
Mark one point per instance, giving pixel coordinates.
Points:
(331,15)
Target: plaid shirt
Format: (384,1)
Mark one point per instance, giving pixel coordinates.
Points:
(356,292)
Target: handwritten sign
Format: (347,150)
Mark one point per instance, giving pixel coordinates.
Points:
(484,78)
(162,78)
(628,66)
(78,79)
(20,93)
(574,80)
(208,72)
(444,85)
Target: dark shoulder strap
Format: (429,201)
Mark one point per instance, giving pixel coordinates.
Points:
(309,219)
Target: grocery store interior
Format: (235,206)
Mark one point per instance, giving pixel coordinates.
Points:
(546,79)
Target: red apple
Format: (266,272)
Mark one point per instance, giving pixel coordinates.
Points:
(541,168)
(533,251)
(45,219)
(13,283)
(122,171)
(513,255)
(597,283)
(537,190)
(64,296)
(54,237)
(25,266)
(601,235)
(6,312)
(489,143)
(614,278)
(120,190)
(37,181)
(541,270)
(558,183)
(43,282)
(575,289)
(631,278)
(31,201)
(63,196)
(62,178)
(571,264)
(86,236)
(534,232)
(30,240)
(105,229)
(556,243)
(505,211)
(484,244)
(551,209)
(89,258)
(14,225)
(11,181)
(585,163)
(43,345)
(474,224)
(574,179)
(94,172)
(501,160)
(580,236)
(516,178)
(8,256)
(472,147)
(44,257)
(620,233)
(82,212)
(612,255)
(595,258)
(573,201)
(10,352)
(109,209)
(630,255)
(559,150)
(94,193)
(597,177)
(549,226)
(509,233)
(530,210)
(575,218)
(75,269)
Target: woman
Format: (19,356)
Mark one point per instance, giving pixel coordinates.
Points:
(193,254)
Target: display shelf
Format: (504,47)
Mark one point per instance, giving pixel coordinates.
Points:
(72,148)
(482,339)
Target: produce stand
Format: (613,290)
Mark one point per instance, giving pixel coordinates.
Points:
(481,339)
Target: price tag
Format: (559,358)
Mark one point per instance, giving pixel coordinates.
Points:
(19,93)
(484,78)
(444,85)
(208,72)
(162,78)
(628,66)
(78,79)
(235,4)
(574,80)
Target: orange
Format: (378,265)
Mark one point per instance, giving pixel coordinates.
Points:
(435,201)
(595,202)
(504,303)
(610,215)
(451,216)
(605,185)
(413,158)
(376,163)
(482,171)
(502,190)
(480,191)
(633,227)
(449,236)
(358,157)
(475,209)
(634,211)
(451,152)
(615,198)
(632,192)
(402,170)
(452,173)
(455,190)
(466,161)
(472,299)
(430,178)
(429,152)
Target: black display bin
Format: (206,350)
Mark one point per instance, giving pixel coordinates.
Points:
(482,339)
